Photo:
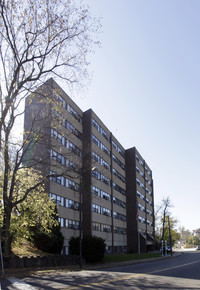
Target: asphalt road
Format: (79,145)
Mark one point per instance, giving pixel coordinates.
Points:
(182,272)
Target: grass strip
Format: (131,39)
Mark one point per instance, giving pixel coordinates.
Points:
(128,257)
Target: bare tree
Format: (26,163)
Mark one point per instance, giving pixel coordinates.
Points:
(166,204)
(38,39)
(161,213)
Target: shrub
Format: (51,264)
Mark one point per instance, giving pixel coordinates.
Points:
(93,248)
(49,242)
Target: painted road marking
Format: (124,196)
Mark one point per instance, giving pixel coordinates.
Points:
(174,267)
(127,277)
(19,284)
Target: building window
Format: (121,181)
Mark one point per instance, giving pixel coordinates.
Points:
(61,159)
(95,124)
(100,130)
(95,190)
(72,185)
(118,162)
(105,135)
(149,212)
(96,226)
(73,148)
(119,216)
(71,128)
(119,176)
(100,145)
(148,201)
(71,204)
(119,150)
(139,160)
(96,140)
(105,195)
(106,211)
(141,219)
(96,208)
(105,164)
(139,183)
(105,180)
(140,194)
(105,149)
(96,157)
(59,99)
(62,140)
(118,230)
(141,207)
(139,171)
(119,189)
(74,114)
(149,223)
(119,202)
(61,222)
(96,174)
(71,224)
(148,191)
(59,200)
(106,228)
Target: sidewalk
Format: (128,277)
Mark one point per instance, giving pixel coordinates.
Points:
(30,271)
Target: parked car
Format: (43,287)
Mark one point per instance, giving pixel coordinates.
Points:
(167,249)
(197,248)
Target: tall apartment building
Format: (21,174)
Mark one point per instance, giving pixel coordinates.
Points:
(56,121)
(105,184)
(140,203)
(88,165)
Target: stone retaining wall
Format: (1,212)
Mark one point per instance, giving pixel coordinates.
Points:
(37,262)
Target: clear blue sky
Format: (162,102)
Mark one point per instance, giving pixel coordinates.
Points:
(146,89)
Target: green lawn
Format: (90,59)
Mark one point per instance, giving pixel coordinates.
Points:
(128,257)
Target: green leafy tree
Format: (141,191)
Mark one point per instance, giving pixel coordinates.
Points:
(173,231)
(184,234)
(31,207)
(38,40)
(193,240)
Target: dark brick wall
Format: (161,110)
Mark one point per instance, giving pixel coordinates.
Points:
(37,262)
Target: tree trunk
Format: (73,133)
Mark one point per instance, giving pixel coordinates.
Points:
(163,227)
(6,236)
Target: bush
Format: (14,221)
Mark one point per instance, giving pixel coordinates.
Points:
(49,242)
(93,248)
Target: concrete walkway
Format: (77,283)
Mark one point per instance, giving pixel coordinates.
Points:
(22,272)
